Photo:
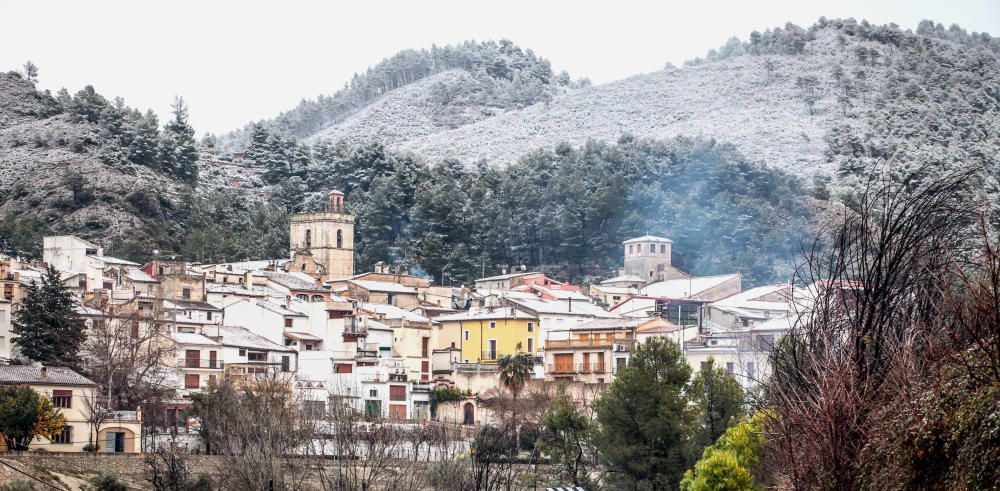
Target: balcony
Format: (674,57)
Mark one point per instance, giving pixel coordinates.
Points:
(578,368)
(201,363)
(588,343)
(488,356)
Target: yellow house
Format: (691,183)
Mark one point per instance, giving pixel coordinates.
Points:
(74,396)
(486,335)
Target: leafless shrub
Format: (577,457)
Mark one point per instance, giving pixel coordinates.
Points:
(869,319)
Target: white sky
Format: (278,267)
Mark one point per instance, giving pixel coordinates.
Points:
(240,61)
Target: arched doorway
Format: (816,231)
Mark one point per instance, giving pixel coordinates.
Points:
(469,414)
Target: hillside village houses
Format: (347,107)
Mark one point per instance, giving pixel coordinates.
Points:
(380,341)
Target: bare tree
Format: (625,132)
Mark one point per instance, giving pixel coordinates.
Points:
(95,410)
(261,432)
(128,354)
(867,316)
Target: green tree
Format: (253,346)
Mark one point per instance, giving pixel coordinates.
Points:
(25,414)
(565,433)
(179,151)
(48,328)
(719,471)
(643,417)
(719,399)
(515,370)
(730,462)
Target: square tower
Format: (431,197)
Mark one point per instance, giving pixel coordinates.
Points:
(328,236)
(648,257)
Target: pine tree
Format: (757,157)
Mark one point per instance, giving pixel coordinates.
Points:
(719,398)
(182,146)
(644,419)
(48,328)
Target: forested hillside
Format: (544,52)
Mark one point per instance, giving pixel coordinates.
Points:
(88,165)
(565,209)
(485,78)
(826,99)
(465,160)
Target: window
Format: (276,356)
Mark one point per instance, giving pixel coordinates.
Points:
(630,248)
(192,381)
(340,239)
(186,293)
(751,370)
(652,248)
(531,327)
(663,248)
(373,393)
(425,366)
(208,315)
(243,352)
(256,356)
(493,325)
(288,322)
(286,364)
(303,297)
(424,345)
(466,335)
(317,298)
(62,398)
(492,347)
(390,299)
(309,238)
(531,345)
(397,392)
(309,347)
(65,437)
(729,366)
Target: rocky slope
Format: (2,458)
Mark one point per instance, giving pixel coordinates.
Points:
(52,168)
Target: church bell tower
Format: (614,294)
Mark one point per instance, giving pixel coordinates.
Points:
(327,235)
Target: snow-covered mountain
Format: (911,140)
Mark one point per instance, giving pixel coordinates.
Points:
(789,97)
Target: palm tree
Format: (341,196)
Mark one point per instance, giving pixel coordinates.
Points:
(515,370)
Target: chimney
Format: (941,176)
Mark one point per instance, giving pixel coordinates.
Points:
(45,373)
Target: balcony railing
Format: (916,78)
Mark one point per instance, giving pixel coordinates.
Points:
(208,364)
(488,356)
(356,330)
(588,343)
(572,368)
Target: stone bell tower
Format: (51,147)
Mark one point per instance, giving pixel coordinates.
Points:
(327,235)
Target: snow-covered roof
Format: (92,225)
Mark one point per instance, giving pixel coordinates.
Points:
(506,276)
(382,286)
(280,309)
(619,290)
(562,307)
(685,287)
(241,337)
(487,314)
(555,292)
(31,374)
(648,238)
(113,260)
(178,304)
(244,266)
(392,312)
(139,276)
(192,339)
(294,281)
(234,290)
(608,324)
(302,336)
(750,299)
(625,278)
